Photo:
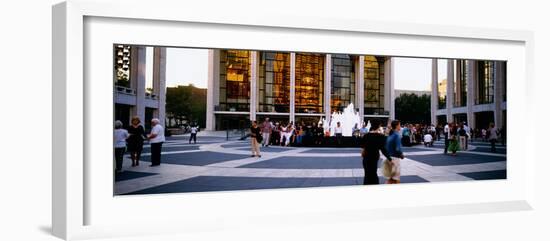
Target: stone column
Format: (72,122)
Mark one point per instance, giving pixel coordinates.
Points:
(159,82)
(293,87)
(360,85)
(450,88)
(388,87)
(470,92)
(213,89)
(391,63)
(434,98)
(327,85)
(253,84)
(499,85)
(140,79)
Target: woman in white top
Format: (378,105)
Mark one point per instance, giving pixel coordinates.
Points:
(156,138)
(120,136)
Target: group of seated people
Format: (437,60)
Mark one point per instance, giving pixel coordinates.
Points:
(416,134)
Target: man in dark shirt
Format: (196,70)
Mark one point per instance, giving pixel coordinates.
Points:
(372,143)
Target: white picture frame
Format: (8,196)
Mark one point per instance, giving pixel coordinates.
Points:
(83,204)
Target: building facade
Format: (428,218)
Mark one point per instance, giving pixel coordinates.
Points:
(474,91)
(139,83)
(293,86)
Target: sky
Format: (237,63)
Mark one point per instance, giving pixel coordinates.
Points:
(190,66)
(186,66)
(412,73)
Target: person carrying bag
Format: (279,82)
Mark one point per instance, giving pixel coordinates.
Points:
(392,168)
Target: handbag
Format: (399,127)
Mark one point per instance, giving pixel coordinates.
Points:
(259,138)
(391,169)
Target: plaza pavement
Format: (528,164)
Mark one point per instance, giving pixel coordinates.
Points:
(217,164)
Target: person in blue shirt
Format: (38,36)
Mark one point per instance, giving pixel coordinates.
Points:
(393,146)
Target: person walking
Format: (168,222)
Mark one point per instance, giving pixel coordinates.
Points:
(454,146)
(255,139)
(194,130)
(119,140)
(446,131)
(462,137)
(267,128)
(468,135)
(156,138)
(493,136)
(393,146)
(373,143)
(135,141)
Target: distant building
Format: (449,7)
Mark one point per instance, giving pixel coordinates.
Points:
(293,86)
(139,83)
(473,92)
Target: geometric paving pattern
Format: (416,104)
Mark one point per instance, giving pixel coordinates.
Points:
(214,164)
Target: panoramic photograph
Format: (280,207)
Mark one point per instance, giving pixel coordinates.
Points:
(200,120)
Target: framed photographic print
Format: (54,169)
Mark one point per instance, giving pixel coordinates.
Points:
(201,122)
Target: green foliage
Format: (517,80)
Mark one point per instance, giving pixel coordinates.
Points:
(411,108)
(186,104)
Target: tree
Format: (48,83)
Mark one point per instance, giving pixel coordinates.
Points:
(411,108)
(186,103)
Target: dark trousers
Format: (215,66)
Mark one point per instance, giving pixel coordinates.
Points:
(338,138)
(493,145)
(119,155)
(193,137)
(370,166)
(446,145)
(155,153)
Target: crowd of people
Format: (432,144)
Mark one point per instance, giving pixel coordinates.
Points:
(305,133)
(373,140)
(132,139)
(457,135)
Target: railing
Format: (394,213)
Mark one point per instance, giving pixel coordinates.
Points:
(150,96)
(125,90)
